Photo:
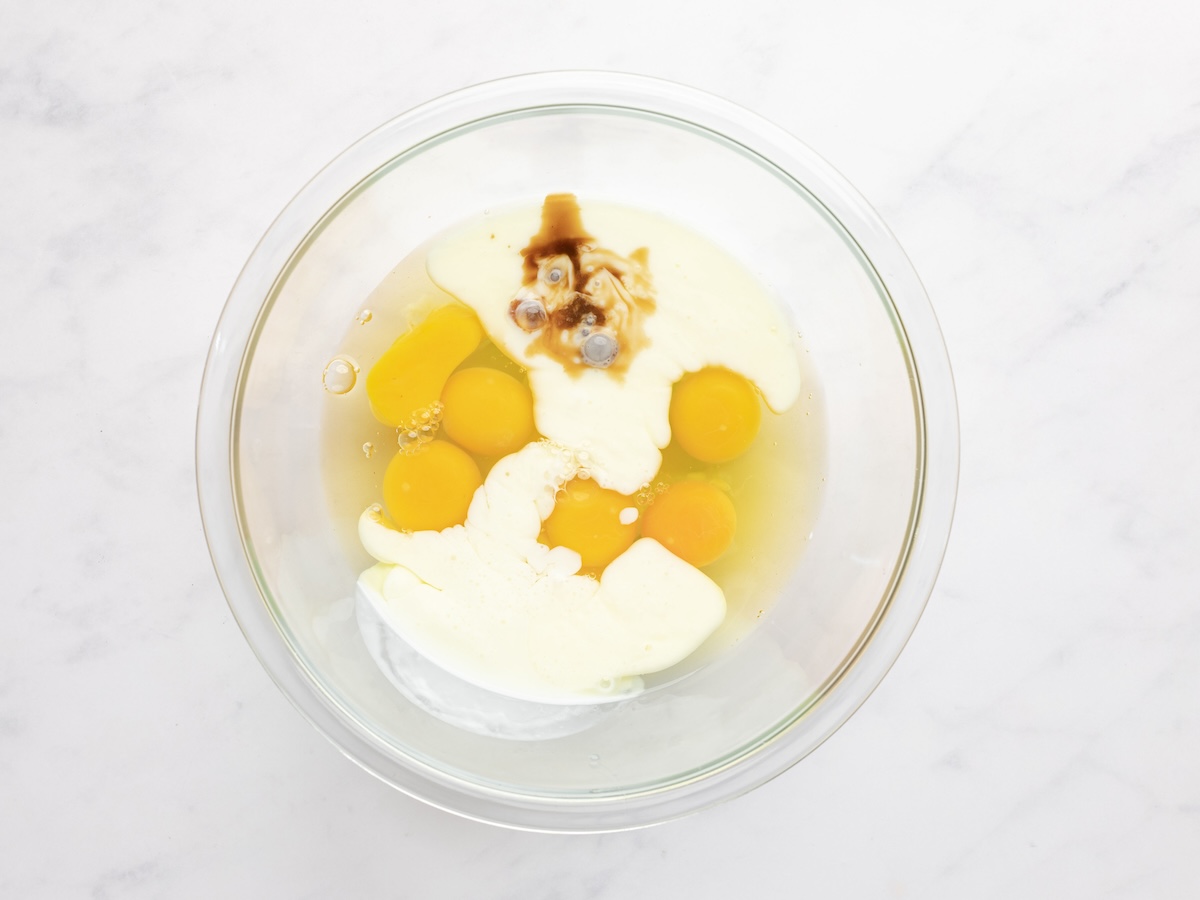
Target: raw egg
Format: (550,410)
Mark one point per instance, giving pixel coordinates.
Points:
(714,414)
(412,372)
(592,521)
(430,487)
(487,412)
(695,520)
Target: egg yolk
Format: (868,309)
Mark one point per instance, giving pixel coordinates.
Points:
(695,520)
(430,487)
(587,519)
(714,414)
(412,372)
(487,412)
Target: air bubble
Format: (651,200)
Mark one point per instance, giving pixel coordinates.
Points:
(599,350)
(368,449)
(530,315)
(364,317)
(421,428)
(340,375)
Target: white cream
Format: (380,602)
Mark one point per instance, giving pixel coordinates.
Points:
(485,601)
(488,603)
(710,312)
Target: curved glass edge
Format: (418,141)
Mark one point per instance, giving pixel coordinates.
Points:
(316,679)
(757,764)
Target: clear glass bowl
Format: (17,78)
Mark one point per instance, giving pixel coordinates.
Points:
(890,435)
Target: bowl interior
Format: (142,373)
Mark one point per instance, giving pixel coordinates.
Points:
(862,391)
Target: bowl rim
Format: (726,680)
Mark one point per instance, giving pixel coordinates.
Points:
(934,398)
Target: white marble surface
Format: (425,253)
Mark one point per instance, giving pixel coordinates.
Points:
(1040,737)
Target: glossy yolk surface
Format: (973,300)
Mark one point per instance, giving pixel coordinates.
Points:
(695,520)
(430,487)
(412,372)
(487,412)
(587,519)
(714,414)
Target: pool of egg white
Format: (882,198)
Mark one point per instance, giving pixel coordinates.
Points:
(775,485)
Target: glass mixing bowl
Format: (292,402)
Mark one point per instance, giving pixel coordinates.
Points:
(865,565)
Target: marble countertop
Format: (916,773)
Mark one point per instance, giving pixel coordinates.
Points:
(1039,737)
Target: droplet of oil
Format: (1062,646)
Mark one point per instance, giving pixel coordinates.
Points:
(339,375)
(368,449)
(363,317)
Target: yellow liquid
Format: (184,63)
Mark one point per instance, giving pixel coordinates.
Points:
(775,486)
